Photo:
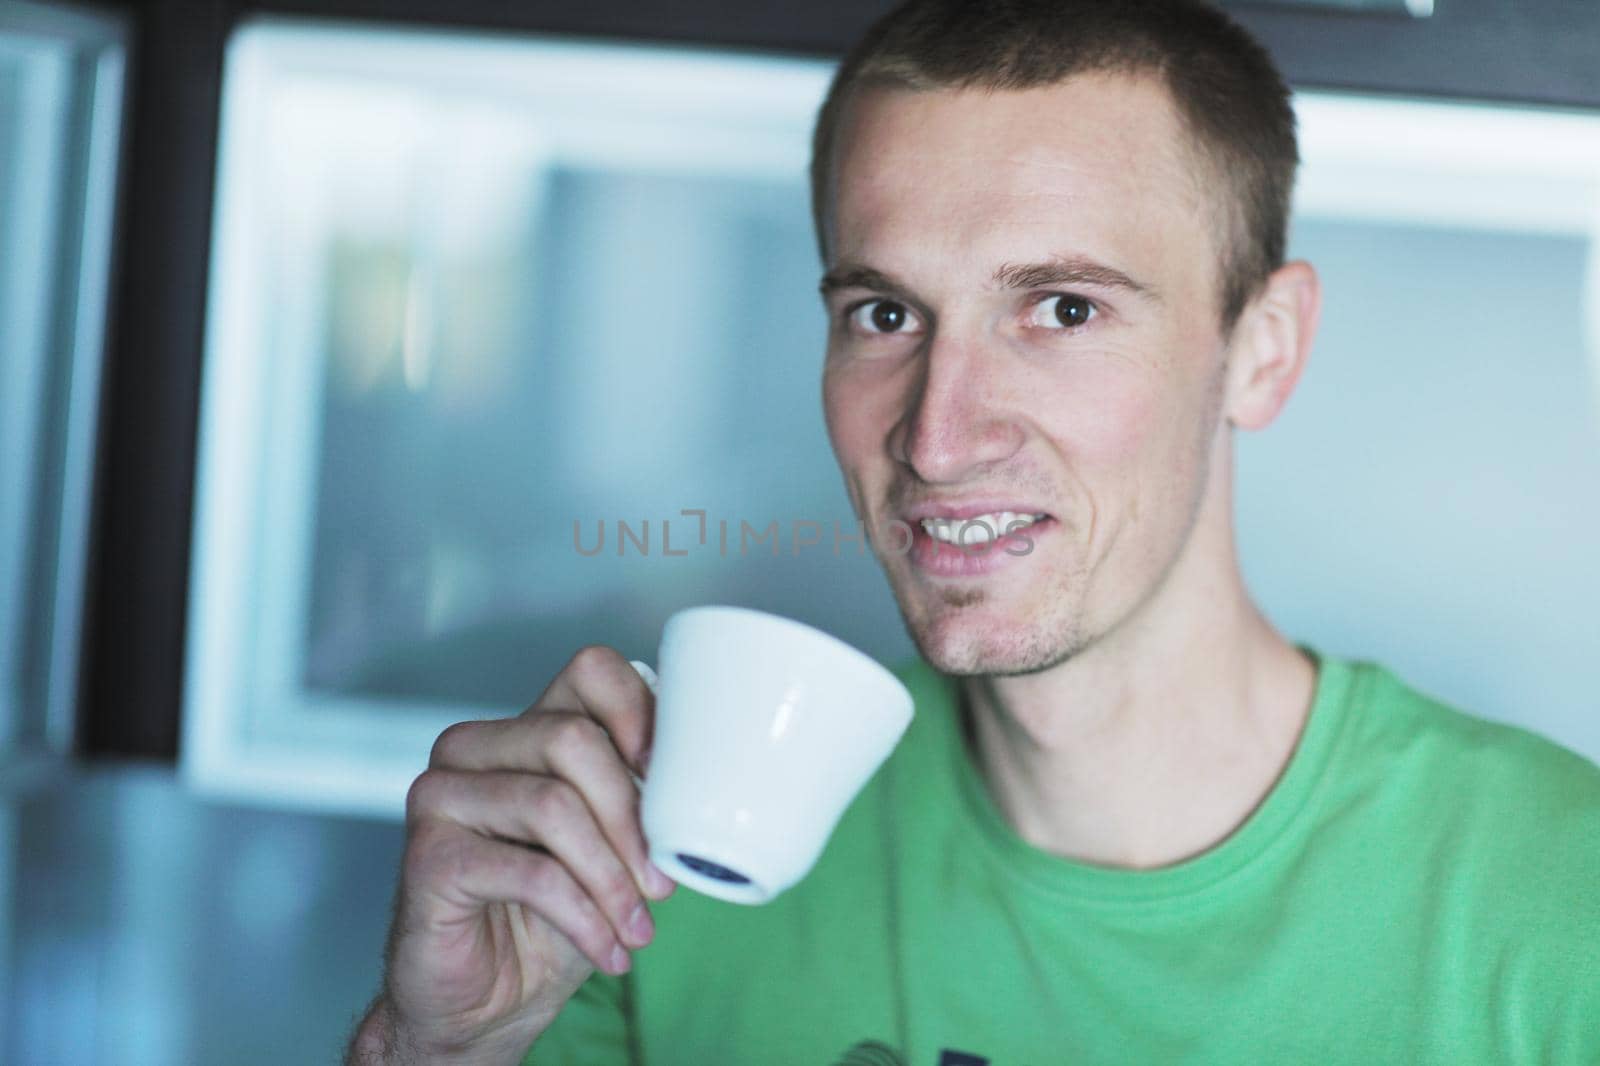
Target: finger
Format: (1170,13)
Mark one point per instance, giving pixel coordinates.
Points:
(621,703)
(544,811)
(472,870)
(600,682)
(572,746)
(576,748)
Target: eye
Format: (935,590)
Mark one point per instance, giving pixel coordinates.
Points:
(1062,311)
(882,316)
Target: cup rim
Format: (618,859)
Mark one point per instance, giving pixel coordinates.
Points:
(853,653)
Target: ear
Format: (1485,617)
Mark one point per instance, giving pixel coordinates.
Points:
(1270,344)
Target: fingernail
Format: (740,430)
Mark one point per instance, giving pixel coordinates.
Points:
(640,927)
(659,884)
(620,963)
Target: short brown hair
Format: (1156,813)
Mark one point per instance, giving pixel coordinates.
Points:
(1225,85)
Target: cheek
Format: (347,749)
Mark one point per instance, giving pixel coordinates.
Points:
(1101,412)
(850,435)
(859,409)
(1139,451)
(837,414)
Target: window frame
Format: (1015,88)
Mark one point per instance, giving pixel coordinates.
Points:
(250,732)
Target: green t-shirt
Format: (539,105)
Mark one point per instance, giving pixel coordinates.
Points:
(1420,886)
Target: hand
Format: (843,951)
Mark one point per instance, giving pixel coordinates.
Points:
(525,868)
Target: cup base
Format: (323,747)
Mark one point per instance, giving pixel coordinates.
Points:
(701,872)
(710,869)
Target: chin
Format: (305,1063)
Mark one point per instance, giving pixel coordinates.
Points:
(969,640)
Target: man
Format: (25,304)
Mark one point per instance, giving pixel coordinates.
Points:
(1131,822)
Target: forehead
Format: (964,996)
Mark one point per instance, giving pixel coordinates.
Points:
(1098,164)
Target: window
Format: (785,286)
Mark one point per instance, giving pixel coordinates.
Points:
(488,317)
(60,114)
(513,347)
(60,119)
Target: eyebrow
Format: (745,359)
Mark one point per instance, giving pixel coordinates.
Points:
(859,277)
(1058,270)
(1070,270)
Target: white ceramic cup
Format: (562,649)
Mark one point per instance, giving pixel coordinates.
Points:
(765,730)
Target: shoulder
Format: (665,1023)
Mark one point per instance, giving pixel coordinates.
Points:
(1503,769)
(1501,815)
(1489,833)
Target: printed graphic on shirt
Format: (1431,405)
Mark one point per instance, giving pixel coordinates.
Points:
(871,1053)
(877,1053)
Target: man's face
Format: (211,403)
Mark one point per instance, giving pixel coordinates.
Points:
(1022,292)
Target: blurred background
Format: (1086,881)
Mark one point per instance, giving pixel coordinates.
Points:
(361,360)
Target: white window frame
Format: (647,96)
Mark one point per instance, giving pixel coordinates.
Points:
(1366,157)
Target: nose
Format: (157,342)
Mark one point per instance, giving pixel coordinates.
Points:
(955,426)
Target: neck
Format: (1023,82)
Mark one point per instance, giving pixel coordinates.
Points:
(1157,741)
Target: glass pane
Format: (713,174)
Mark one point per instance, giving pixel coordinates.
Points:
(44,138)
(607,359)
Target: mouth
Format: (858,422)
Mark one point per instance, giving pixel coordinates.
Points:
(974,539)
(982,528)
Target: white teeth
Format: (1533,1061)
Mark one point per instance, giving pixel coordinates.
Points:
(979,529)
